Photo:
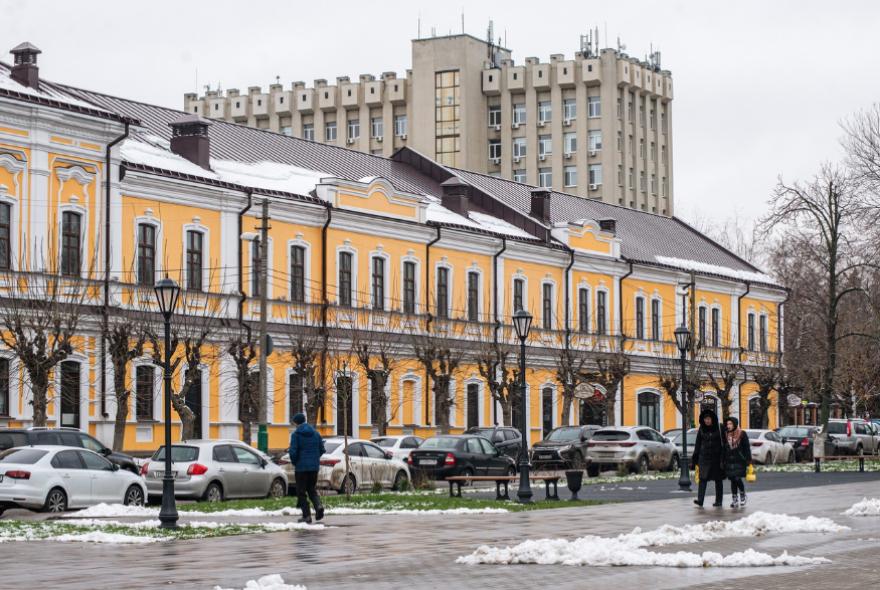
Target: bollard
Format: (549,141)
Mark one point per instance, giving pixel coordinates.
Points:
(817,469)
(861,464)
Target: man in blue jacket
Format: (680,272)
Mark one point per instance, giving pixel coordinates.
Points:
(306,448)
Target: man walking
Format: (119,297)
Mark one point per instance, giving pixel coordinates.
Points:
(306,448)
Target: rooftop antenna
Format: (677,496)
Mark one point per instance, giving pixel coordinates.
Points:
(278,79)
(620,46)
(433,31)
(491,48)
(419,27)
(462,20)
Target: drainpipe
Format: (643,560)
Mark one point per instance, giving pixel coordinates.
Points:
(495,310)
(568,303)
(106,308)
(428,317)
(622,335)
(739,319)
(779,326)
(242,296)
(324,302)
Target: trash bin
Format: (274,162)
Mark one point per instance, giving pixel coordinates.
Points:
(574,478)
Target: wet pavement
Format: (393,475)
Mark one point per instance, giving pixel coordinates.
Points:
(402,552)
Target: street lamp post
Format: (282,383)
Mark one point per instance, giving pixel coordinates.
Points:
(522,321)
(683,341)
(167,292)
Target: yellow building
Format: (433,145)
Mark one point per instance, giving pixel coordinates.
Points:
(398,258)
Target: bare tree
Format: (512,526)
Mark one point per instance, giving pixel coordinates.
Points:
(436,350)
(242,347)
(669,379)
(308,351)
(570,365)
(823,216)
(374,348)
(496,362)
(723,377)
(611,368)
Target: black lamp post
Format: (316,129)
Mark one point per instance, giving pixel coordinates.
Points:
(167,293)
(683,341)
(522,321)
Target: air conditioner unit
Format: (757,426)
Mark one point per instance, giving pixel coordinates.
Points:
(594,187)
(349,141)
(541,123)
(516,125)
(568,155)
(379,138)
(403,136)
(593,153)
(498,127)
(516,159)
(495,160)
(542,157)
(566,122)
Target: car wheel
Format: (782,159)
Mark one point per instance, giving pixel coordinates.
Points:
(768,460)
(467,472)
(278,489)
(593,471)
(56,501)
(791,457)
(511,471)
(349,485)
(673,463)
(642,465)
(213,493)
(134,496)
(399,481)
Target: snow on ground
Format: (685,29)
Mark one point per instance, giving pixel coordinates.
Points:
(342,511)
(723,271)
(104,537)
(113,510)
(865,508)
(272,582)
(629,548)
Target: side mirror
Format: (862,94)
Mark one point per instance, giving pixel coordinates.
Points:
(263,463)
(389,455)
(114,467)
(106,452)
(667,439)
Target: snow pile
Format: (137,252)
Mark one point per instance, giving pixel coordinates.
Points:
(630,548)
(271,582)
(114,510)
(499,226)
(865,508)
(724,271)
(341,511)
(104,537)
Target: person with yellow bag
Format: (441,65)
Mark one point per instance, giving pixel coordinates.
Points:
(738,461)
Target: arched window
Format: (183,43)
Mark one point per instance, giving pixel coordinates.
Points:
(70,376)
(71,224)
(649,410)
(756,413)
(146,254)
(344,406)
(473,405)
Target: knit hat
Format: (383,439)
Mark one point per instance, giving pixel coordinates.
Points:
(299,419)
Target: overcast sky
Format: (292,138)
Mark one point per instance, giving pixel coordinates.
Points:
(760,87)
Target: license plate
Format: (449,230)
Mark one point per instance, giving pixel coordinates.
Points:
(161,474)
(545,455)
(427,461)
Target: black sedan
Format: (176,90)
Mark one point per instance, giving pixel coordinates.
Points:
(444,456)
(563,448)
(801,438)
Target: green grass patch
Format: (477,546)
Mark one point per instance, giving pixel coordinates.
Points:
(388,501)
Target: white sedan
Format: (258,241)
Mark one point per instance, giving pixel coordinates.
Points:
(768,448)
(54,478)
(400,446)
(368,465)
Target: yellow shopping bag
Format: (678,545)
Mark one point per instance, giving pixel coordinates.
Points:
(750,474)
(697,474)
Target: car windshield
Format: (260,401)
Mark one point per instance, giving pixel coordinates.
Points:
(179,454)
(440,442)
(676,437)
(482,431)
(23,456)
(611,435)
(837,428)
(794,431)
(753,434)
(384,442)
(567,433)
(329,447)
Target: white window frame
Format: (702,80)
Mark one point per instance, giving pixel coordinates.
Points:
(569,143)
(569,176)
(583,285)
(14,233)
(480,400)
(660,407)
(308,131)
(145,361)
(594,136)
(594,107)
(84,381)
(553,302)
(148,219)
(545,145)
(354,273)
(307,265)
(352,126)
(494,115)
(206,253)
(545,172)
(520,147)
(569,114)
(417,280)
(377,127)
(400,124)
(517,276)
(386,304)
(545,111)
(595,178)
(555,406)
(418,414)
(494,149)
(328,125)
(479,272)
(520,175)
(450,291)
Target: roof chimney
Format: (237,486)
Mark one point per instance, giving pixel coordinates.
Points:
(25,70)
(608,224)
(541,203)
(189,139)
(456,195)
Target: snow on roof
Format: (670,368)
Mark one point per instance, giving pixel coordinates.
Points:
(440,214)
(46,92)
(151,150)
(498,226)
(723,271)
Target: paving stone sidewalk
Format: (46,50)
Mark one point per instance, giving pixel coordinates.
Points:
(404,552)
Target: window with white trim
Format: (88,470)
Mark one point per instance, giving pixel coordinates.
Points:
(545,177)
(378,283)
(195,255)
(518,288)
(584,310)
(494,115)
(345,278)
(519,113)
(569,143)
(545,111)
(547,306)
(297,274)
(595,140)
(354,128)
(569,109)
(399,125)
(594,107)
(409,287)
(330,131)
(640,318)
(569,176)
(519,147)
(377,127)
(146,248)
(473,296)
(308,131)
(442,292)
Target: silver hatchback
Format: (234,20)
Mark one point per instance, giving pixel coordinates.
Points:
(215,470)
(635,448)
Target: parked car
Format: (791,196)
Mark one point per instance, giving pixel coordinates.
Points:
(637,448)
(768,448)
(54,478)
(852,437)
(213,470)
(563,448)
(399,446)
(675,437)
(444,456)
(800,438)
(367,465)
(506,439)
(68,437)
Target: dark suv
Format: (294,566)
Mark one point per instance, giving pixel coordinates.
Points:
(564,447)
(506,439)
(67,437)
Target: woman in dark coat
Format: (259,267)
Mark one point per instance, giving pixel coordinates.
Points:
(709,454)
(738,457)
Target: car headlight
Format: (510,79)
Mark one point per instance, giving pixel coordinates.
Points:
(565,449)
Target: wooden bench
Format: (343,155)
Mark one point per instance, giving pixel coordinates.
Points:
(860,458)
(503,481)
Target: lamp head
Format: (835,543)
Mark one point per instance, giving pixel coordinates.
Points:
(522,321)
(167,292)
(682,338)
